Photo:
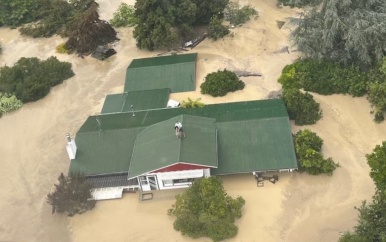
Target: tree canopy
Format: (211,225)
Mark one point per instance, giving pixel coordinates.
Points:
(372,216)
(163,24)
(347,31)
(206,210)
(308,146)
(31,78)
(301,107)
(72,195)
(377,163)
(218,84)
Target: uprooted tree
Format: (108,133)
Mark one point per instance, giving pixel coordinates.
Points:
(72,195)
(206,210)
(90,33)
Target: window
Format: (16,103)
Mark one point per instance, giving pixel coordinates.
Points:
(143,180)
(177,182)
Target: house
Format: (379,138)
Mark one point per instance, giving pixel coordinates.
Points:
(129,149)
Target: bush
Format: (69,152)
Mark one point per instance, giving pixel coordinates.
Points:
(301,107)
(216,30)
(124,16)
(377,97)
(192,103)
(220,83)
(307,147)
(325,77)
(31,78)
(238,15)
(206,210)
(61,49)
(9,103)
(1,48)
(72,195)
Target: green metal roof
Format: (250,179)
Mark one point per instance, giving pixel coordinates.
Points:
(158,147)
(177,72)
(224,112)
(252,136)
(104,152)
(141,100)
(255,145)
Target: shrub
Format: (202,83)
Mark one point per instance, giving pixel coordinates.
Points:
(307,147)
(72,195)
(301,107)
(206,210)
(124,16)
(61,49)
(216,30)
(377,97)
(192,103)
(1,48)
(31,78)
(9,103)
(236,14)
(325,77)
(220,83)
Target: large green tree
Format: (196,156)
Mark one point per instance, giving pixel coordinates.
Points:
(72,195)
(348,31)
(372,216)
(155,27)
(206,210)
(31,78)
(377,163)
(209,8)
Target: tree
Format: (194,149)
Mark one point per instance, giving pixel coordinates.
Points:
(206,210)
(346,31)
(377,97)
(31,78)
(163,24)
(72,195)
(216,30)
(301,107)
(220,83)
(90,33)
(124,16)
(299,3)
(236,14)
(192,103)
(155,28)
(308,146)
(207,9)
(377,163)
(17,12)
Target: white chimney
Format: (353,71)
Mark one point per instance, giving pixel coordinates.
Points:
(71,147)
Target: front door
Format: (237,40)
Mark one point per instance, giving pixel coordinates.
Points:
(153,182)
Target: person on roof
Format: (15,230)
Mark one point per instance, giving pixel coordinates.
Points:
(178,128)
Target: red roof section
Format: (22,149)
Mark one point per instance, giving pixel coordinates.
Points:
(180,167)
